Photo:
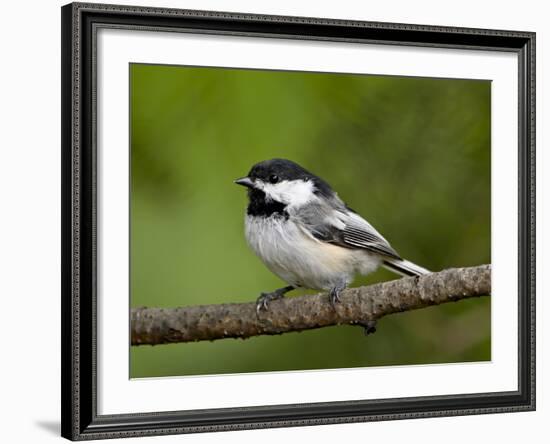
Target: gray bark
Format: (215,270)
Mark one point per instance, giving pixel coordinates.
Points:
(362,305)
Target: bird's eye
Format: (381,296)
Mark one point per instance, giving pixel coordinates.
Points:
(273,178)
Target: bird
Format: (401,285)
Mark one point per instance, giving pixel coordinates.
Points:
(307,236)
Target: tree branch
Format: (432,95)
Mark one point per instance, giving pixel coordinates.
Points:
(363,306)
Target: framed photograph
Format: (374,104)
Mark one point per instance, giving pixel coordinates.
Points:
(279,221)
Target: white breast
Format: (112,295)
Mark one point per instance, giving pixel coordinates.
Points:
(301,260)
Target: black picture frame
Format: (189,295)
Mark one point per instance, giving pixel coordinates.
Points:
(79,385)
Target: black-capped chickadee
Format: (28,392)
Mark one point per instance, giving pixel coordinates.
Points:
(306,235)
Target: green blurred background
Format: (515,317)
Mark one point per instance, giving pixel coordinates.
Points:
(412,155)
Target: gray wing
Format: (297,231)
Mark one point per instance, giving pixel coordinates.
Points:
(335,223)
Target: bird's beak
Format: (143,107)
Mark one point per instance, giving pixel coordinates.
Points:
(245,182)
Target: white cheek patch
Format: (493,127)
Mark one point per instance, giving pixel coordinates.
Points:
(292,193)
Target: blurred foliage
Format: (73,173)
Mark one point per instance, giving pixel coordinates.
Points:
(412,155)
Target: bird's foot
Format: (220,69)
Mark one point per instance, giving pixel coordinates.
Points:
(334,295)
(265,298)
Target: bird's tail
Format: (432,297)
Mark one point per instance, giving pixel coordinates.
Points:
(404,267)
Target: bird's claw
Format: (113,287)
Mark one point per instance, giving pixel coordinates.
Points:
(265,298)
(334,296)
